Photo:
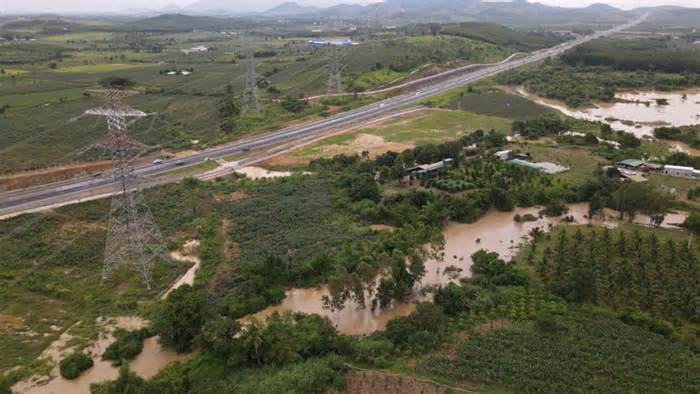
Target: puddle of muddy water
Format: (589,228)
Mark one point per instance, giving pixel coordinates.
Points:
(496,231)
(636,112)
(147,364)
(187,256)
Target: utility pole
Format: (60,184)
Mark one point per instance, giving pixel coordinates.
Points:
(251,93)
(335,67)
(133,238)
(377,23)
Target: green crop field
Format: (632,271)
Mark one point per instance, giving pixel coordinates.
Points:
(97,68)
(43,86)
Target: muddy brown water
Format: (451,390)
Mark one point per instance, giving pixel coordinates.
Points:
(147,364)
(496,231)
(637,112)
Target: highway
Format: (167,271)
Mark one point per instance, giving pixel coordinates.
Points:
(71,191)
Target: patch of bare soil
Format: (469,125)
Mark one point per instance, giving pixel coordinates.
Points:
(382,227)
(360,381)
(9,323)
(282,161)
(373,144)
(39,177)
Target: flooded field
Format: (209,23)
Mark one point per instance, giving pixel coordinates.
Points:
(147,364)
(496,231)
(637,112)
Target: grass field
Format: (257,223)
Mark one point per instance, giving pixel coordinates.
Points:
(581,162)
(426,127)
(51,264)
(495,102)
(79,36)
(97,68)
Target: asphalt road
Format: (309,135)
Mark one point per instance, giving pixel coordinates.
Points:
(69,191)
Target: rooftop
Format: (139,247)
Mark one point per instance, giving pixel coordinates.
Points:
(683,168)
(631,162)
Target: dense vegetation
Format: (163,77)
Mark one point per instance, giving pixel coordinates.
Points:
(71,366)
(127,346)
(501,35)
(575,351)
(651,54)
(594,71)
(689,134)
(623,271)
(579,86)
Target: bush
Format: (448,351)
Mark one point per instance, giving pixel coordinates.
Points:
(128,345)
(645,320)
(548,324)
(179,318)
(73,365)
(555,208)
(116,82)
(419,330)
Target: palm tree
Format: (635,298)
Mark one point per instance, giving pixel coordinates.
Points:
(253,340)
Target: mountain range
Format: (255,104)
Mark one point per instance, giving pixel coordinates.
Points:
(511,12)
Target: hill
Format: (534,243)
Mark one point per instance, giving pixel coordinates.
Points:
(181,23)
(502,35)
(291,8)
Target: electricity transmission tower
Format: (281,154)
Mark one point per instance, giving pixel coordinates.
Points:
(335,66)
(251,94)
(133,238)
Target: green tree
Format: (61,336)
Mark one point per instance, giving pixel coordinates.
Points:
(179,318)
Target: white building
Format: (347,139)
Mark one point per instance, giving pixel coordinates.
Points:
(198,48)
(681,171)
(502,155)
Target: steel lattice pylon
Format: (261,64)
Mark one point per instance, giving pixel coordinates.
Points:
(133,238)
(251,94)
(335,68)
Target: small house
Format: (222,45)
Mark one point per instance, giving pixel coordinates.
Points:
(681,171)
(502,155)
(631,164)
(413,172)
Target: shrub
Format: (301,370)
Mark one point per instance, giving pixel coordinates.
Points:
(548,324)
(127,346)
(116,82)
(180,318)
(73,365)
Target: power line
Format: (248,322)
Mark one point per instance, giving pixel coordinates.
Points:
(251,93)
(335,68)
(133,238)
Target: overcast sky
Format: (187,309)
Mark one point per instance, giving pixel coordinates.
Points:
(68,6)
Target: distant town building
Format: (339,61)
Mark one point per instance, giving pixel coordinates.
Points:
(681,171)
(323,43)
(196,49)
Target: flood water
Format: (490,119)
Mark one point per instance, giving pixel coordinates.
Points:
(496,231)
(636,112)
(147,364)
